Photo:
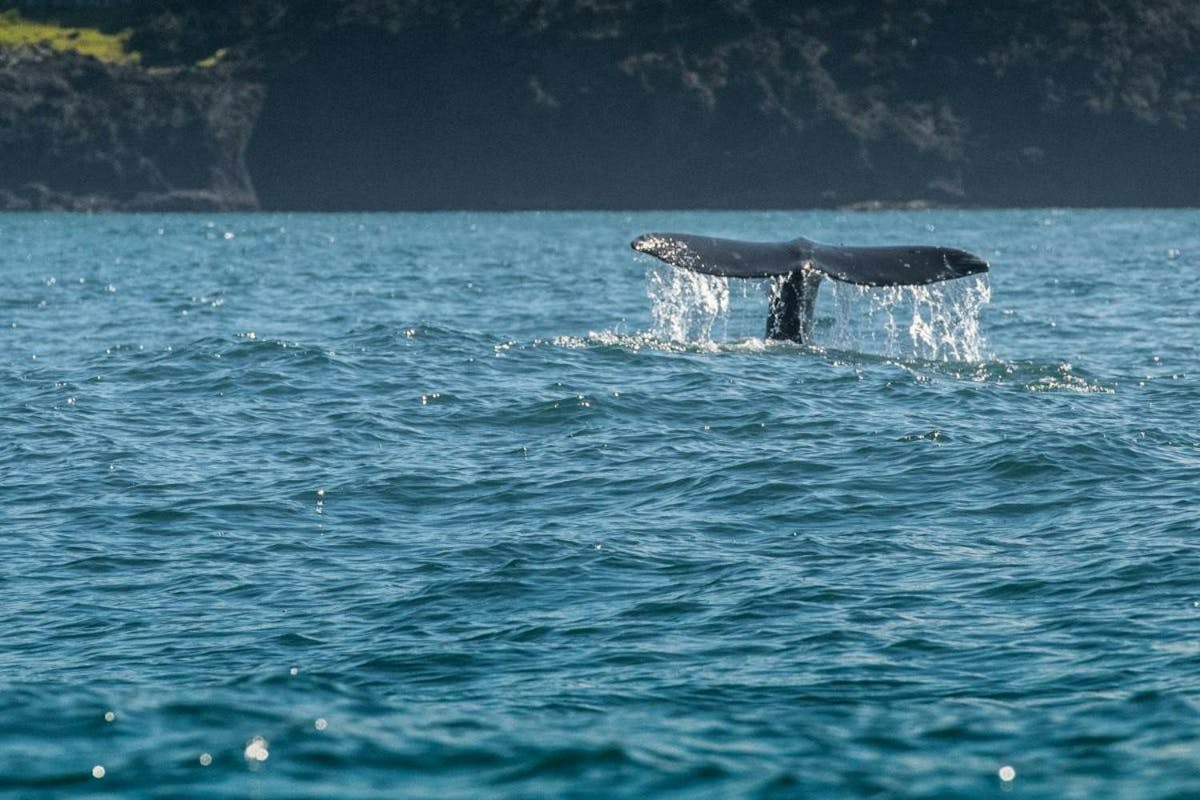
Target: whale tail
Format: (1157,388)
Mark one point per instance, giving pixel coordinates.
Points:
(905,265)
(804,262)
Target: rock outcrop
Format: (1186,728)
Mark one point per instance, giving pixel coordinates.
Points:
(79,134)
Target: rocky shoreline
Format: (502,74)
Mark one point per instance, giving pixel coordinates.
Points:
(375,105)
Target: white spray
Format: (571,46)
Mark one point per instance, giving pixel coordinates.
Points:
(936,322)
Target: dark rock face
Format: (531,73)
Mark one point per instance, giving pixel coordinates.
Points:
(405,104)
(671,104)
(442,118)
(78,134)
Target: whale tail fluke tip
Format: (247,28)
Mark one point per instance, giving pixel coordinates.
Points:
(964,263)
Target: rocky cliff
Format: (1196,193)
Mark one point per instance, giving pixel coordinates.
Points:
(382,104)
(80,134)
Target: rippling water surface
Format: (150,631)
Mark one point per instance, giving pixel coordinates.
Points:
(467,505)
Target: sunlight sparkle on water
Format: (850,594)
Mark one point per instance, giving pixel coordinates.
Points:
(256,750)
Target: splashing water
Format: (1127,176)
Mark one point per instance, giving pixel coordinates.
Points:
(936,322)
(686,305)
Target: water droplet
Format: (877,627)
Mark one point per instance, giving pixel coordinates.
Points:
(256,750)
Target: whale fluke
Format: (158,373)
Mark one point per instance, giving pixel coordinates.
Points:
(802,263)
(905,265)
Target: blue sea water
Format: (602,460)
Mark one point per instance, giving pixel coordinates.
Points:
(487,505)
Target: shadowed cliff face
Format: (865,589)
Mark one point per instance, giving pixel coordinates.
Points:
(381,104)
(442,119)
(78,134)
(747,104)
(436,118)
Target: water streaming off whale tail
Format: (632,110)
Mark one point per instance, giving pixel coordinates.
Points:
(935,322)
(686,306)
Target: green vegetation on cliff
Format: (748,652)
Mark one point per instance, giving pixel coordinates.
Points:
(16,31)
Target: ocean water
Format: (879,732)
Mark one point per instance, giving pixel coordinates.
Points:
(487,505)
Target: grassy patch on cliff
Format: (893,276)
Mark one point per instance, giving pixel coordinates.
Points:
(16,31)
